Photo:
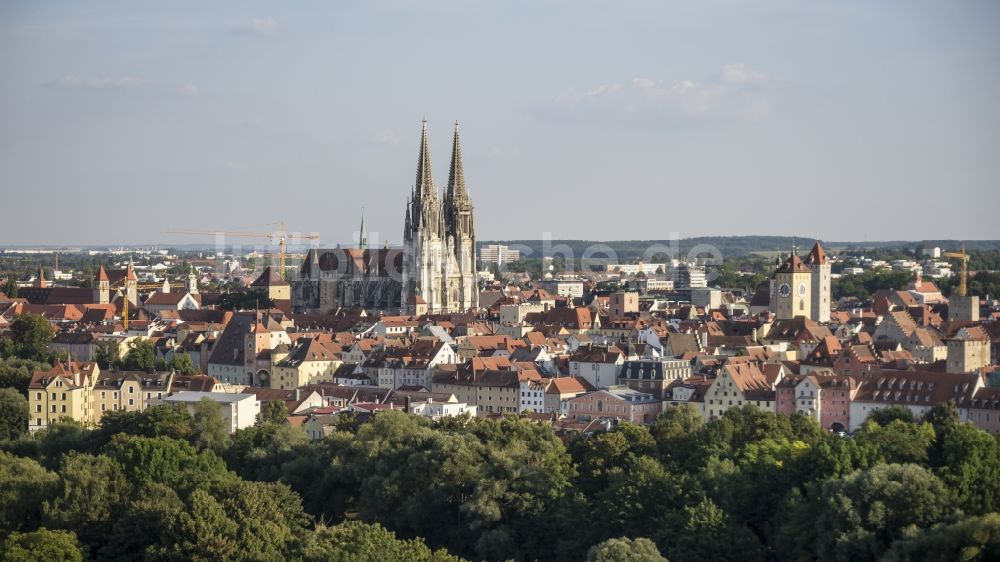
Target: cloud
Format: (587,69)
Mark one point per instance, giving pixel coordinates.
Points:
(261,27)
(188,90)
(734,92)
(387,136)
(73,82)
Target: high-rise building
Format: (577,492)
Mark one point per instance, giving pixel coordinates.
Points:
(497,253)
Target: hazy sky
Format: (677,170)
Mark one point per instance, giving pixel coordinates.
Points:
(619,119)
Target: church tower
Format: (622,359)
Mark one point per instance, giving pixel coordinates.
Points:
(461,235)
(793,289)
(423,236)
(191,285)
(439,236)
(820,267)
(102,287)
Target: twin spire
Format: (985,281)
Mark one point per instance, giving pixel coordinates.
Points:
(424,210)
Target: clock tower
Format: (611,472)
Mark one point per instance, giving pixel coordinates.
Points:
(792,289)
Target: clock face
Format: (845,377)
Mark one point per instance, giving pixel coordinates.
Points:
(802,289)
(784,289)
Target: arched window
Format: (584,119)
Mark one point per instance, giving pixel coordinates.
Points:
(600,405)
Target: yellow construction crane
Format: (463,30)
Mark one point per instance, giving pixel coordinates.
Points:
(963,283)
(280,235)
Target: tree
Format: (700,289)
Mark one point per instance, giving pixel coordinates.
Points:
(10,288)
(16,373)
(107,354)
(92,491)
(354,541)
(141,356)
(31,335)
(272,412)
(885,416)
(43,544)
(863,513)
(209,429)
(969,539)
(244,301)
(13,414)
(625,550)
(182,364)
(967,459)
(24,486)
(175,463)
(238,521)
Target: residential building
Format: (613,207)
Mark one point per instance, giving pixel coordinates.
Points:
(616,402)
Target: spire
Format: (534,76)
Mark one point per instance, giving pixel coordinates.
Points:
(425,180)
(456,177)
(363,238)
(101,274)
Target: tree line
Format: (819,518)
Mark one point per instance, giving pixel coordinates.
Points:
(751,485)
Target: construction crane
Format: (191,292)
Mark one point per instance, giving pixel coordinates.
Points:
(280,235)
(963,282)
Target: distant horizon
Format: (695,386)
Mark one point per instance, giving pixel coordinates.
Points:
(192,246)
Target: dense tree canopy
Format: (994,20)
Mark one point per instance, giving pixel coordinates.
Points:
(750,486)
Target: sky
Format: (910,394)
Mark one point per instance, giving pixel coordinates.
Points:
(605,120)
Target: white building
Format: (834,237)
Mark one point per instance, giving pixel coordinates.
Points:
(238,410)
(437,410)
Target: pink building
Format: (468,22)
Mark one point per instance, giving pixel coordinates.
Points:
(616,402)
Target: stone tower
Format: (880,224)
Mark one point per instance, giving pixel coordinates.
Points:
(820,267)
(102,287)
(792,289)
(461,237)
(439,238)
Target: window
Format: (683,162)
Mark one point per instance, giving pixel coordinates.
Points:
(38,408)
(53,408)
(64,408)
(63,395)
(53,395)
(38,396)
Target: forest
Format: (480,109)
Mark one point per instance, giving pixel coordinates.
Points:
(752,486)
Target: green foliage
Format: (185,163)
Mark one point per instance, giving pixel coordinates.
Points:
(50,546)
(244,301)
(863,513)
(175,463)
(897,441)
(272,412)
(625,550)
(91,491)
(141,356)
(159,420)
(10,288)
(181,364)
(354,541)
(16,373)
(24,486)
(209,429)
(868,283)
(885,416)
(31,335)
(750,486)
(13,414)
(107,354)
(973,539)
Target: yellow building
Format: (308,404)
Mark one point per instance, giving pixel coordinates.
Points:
(67,391)
(792,290)
(309,361)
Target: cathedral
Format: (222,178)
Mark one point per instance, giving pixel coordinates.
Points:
(434,271)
